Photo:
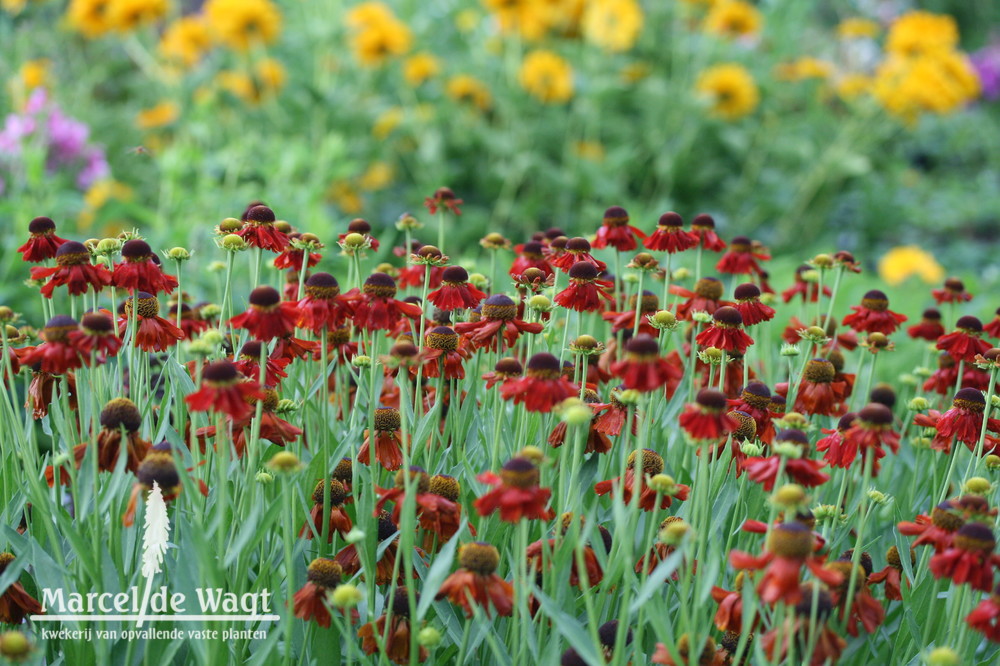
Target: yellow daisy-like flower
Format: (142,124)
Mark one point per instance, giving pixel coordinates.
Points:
(730,89)
(35,73)
(917,33)
(939,83)
(91,18)
(164,113)
(104,191)
(733,18)
(905,261)
(127,15)
(592,151)
(377,176)
(857,27)
(377,42)
(420,67)
(470,90)
(386,122)
(547,77)
(239,24)
(852,86)
(804,68)
(613,25)
(345,196)
(186,40)
(271,76)
(367,14)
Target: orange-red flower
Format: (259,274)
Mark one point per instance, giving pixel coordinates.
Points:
(498,325)
(892,574)
(985,618)
(338,522)
(268,316)
(963,422)
(704,226)
(807,291)
(726,332)
(953,291)
(225,391)
(323,304)
(706,418)
(755,400)
(616,232)
(969,558)
(476,582)
(455,293)
(741,258)
(585,293)
(15,602)
(929,328)
(397,633)
(965,341)
(670,236)
(309,603)
(874,315)
(42,242)
(747,297)
(248,363)
(260,231)
(139,270)
(443,198)
(516,493)
(377,308)
(706,297)
(531,255)
(388,442)
(74,270)
(651,464)
(577,250)
(57,354)
(643,369)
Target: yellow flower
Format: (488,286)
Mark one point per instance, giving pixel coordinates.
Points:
(941,83)
(345,197)
(126,15)
(239,24)
(465,88)
(804,68)
(369,13)
(238,84)
(35,73)
(271,76)
(386,122)
(613,25)
(857,27)
(419,67)
(378,176)
(917,33)
(267,78)
(851,86)
(164,113)
(904,261)
(733,18)
(186,40)
(91,18)
(592,151)
(104,191)
(635,72)
(547,77)
(730,89)
(380,41)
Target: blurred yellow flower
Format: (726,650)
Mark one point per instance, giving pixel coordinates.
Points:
(730,89)
(186,40)
(592,151)
(851,86)
(164,113)
(857,27)
(467,20)
(386,122)
(104,191)
(126,15)
(344,196)
(635,72)
(271,76)
(804,68)
(468,89)
(918,33)
(373,45)
(239,84)
(904,261)
(240,24)
(613,25)
(419,67)
(368,13)
(35,73)
(376,177)
(91,18)
(940,83)
(733,18)
(547,77)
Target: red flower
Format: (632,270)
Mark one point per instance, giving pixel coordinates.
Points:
(477,581)
(15,602)
(670,235)
(441,515)
(388,442)
(498,321)
(819,390)
(396,634)
(874,315)
(938,530)
(577,251)
(740,258)
(139,272)
(755,400)
(339,345)
(891,575)
(616,231)
(543,386)
(613,415)
(993,328)
(789,547)
(376,308)
(597,442)
(868,434)
(323,305)
(248,364)
(291,348)
(444,352)
(625,321)
(808,291)
(118,415)
(455,293)
(965,342)
(826,645)
(862,607)
(443,198)
(386,567)
(969,559)
(705,297)
(225,392)
(726,332)
(73,269)
(585,292)
(748,303)
(191,322)
(729,617)
(643,369)
(963,422)
(42,243)
(839,452)
(706,418)
(154,333)
(945,378)
(57,354)
(338,522)
(985,618)
(531,256)
(801,470)
(516,493)
(360,226)
(704,226)
(268,317)
(929,328)
(260,231)
(322,577)
(953,291)
(652,464)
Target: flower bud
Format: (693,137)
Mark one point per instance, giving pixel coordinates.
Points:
(790,496)
(878,497)
(212,336)
(479,281)
(663,483)
(355,535)
(178,254)
(354,241)
(229,225)
(200,347)
(108,246)
(216,267)
(7,315)
(346,595)
(680,274)
(663,319)
(918,404)
(977,485)
(429,637)
(701,317)
(809,276)
(540,303)
(532,453)
(822,261)
(233,243)
(673,534)
(209,310)
(14,646)
(787,450)
(992,462)
(264,478)
(790,350)
(750,449)
(286,406)
(629,397)
(408,221)
(285,462)
(942,656)
(361,361)
(577,414)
